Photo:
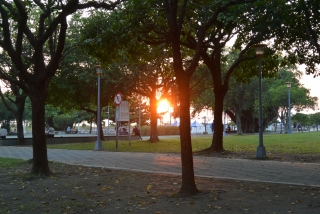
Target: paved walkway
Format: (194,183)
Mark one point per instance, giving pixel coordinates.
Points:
(238,169)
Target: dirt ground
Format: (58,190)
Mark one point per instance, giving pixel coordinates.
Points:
(75,189)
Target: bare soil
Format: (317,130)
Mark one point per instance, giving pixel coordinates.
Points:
(76,189)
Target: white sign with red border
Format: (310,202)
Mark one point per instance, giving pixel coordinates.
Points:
(118,98)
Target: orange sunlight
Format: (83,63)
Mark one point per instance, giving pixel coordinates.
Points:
(163,106)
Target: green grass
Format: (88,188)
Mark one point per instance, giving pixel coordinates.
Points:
(10,162)
(297,143)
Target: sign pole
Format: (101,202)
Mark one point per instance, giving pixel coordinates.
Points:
(129,127)
(117,101)
(117,126)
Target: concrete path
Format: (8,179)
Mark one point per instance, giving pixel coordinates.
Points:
(237,169)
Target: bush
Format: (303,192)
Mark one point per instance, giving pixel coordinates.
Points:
(62,121)
(162,130)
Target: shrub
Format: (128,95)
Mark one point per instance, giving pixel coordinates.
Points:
(62,121)
(162,130)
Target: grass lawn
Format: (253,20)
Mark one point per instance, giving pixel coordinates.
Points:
(10,162)
(296,143)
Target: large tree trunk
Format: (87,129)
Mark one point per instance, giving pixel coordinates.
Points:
(188,185)
(238,122)
(153,119)
(217,140)
(40,157)
(20,100)
(20,133)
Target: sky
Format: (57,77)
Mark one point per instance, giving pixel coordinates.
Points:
(314,85)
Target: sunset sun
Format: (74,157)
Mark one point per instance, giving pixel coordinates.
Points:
(163,106)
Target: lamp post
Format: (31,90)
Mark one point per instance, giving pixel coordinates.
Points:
(261,150)
(98,145)
(289,116)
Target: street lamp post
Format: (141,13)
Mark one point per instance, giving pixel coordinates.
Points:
(261,150)
(289,109)
(98,144)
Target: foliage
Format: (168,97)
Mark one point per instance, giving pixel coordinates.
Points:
(5,117)
(304,119)
(315,119)
(146,68)
(162,130)
(63,121)
(298,32)
(275,98)
(33,37)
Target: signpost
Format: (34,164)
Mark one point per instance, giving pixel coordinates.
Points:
(117,101)
(122,114)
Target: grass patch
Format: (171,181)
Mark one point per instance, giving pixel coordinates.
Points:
(10,162)
(296,143)
(165,145)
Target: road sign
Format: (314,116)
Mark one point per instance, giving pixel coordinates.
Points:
(123,112)
(118,98)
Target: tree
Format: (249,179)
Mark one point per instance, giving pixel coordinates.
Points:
(304,119)
(62,121)
(34,66)
(197,32)
(298,32)
(275,99)
(5,116)
(147,68)
(15,104)
(315,119)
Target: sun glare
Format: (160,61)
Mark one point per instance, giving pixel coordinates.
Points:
(163,106)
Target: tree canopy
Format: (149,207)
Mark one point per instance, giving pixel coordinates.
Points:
(32,36)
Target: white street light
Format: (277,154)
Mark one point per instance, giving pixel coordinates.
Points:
(98,144)
(261,150)
(289,109)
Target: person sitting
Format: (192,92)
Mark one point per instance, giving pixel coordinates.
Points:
(136,132)
(51,132)
(3,133)
(124,130)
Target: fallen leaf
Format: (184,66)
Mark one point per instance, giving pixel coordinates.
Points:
(149,187)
